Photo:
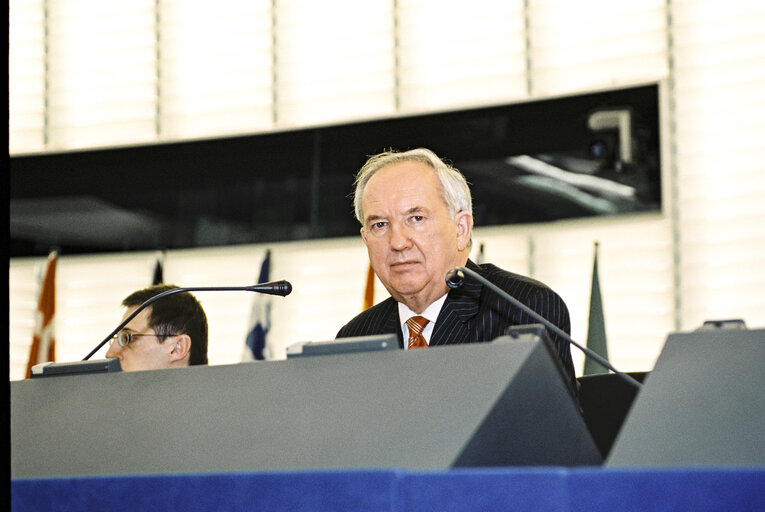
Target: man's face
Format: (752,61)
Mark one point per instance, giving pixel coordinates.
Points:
(143,352)
(411,238)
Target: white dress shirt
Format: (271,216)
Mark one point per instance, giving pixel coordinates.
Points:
(431,313)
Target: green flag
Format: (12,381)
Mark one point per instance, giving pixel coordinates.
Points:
(596,325)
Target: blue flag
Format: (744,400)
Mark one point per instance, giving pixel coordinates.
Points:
(260,318)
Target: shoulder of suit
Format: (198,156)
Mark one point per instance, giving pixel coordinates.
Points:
(502,278)
(367,318)
(382,306)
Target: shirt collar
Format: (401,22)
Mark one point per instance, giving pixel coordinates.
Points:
(431,312)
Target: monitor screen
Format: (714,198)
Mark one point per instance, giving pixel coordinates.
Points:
(566,157)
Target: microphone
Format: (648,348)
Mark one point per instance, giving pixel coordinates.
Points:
(282,288)
(456,277)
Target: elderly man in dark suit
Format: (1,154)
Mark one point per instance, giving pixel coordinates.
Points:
(416,217)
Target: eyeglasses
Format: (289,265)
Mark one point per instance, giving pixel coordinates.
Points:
(124,338)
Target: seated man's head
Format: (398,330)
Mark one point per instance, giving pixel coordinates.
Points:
(170,333)
(416,221)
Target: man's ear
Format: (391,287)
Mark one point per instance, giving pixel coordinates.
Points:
(464,229)
(181,347)
(363,234)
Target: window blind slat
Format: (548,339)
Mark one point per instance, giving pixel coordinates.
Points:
(102,73)
(329,69)
(453,54)
(596,43)
(635,272)
(216,68)
(26,76)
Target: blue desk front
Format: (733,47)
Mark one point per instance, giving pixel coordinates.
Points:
(463,490)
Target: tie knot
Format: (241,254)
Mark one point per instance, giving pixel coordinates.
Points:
(416,324)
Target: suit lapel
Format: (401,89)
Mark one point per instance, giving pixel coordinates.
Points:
(454,324)
(391,323)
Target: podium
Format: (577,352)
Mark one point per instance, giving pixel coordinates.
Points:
(703,404)
(503,403)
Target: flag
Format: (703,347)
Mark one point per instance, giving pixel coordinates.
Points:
(369,292)
(159,277)
(43,347)
(260,319)
(596,324)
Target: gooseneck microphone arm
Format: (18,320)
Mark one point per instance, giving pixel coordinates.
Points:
(455,278)
(272,288)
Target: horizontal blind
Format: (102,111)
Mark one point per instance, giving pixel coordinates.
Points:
(329,281)
(126,72)
(635,263)
(508,248)
(460,53)
(719,72)
(216,68)
(26,75)
(102,73)
(89,293)
(334,61)
(90,289)
(228,313)
(593,44)
(635,278)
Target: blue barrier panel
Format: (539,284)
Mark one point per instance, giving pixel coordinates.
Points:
(463,490)
(508,490)
(649,489)
(326,491)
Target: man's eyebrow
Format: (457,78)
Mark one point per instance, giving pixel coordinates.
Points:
(408,211)
(415,209)
(372,218)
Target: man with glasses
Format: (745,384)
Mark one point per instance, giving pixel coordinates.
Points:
(170,333)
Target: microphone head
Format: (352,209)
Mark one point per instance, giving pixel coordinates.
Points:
(272,288)
(455,278)
(284,287)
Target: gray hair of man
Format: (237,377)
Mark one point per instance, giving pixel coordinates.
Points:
(454,188)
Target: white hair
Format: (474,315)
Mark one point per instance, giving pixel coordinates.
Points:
(454,188)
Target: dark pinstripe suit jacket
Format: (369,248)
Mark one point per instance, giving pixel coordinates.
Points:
(474,313)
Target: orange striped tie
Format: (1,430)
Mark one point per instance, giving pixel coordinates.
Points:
(416,325)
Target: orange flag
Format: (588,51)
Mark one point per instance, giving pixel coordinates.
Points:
(369,293)
(43,343)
